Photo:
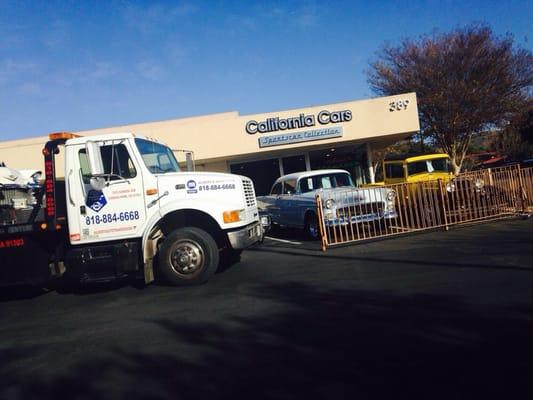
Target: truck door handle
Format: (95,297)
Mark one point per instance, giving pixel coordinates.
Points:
(153,202)
(69,192)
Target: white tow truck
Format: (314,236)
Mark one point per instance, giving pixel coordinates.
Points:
(123,209)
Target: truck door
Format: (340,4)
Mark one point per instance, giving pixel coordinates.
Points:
(116,209)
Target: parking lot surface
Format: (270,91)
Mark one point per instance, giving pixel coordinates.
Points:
(440,315)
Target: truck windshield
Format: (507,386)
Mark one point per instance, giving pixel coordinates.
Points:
(158,158)
(424,166)
(441,165)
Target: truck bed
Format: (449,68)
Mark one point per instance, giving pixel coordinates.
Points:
(26,249)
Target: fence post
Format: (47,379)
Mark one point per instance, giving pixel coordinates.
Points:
(443,202)
(521,190)
(320,218)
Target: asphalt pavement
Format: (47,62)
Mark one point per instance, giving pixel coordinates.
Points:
(440,315)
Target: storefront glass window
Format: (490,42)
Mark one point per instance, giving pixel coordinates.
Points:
(350,158)
(293,164)
(263,173)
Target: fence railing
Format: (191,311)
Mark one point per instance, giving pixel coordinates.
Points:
(377,212)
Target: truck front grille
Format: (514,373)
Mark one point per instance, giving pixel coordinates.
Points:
(249,193)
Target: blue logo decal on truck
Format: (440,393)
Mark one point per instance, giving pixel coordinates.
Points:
(191,187)
(95,200)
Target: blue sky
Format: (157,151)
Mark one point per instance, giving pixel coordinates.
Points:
(75,65)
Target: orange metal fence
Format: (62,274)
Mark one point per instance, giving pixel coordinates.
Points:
(376,212)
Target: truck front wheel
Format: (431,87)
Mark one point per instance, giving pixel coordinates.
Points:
(188,256)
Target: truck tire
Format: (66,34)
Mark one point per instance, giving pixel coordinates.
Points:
(312,231)
(188,256)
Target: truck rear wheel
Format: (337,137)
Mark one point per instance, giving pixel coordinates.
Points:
(188,256)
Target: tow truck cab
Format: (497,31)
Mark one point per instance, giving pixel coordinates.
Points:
(125,207)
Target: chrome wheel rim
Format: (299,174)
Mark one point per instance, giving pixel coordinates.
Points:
(187,257)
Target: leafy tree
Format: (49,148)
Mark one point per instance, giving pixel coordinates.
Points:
(516,140)
(523,122)
(466,81)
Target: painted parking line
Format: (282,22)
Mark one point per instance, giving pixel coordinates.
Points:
(283,240)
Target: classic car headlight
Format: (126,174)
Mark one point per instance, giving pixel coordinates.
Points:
(391,195)
(330,203)
(479,183)
(450,186)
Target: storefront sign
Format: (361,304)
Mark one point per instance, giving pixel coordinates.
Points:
(297,137)
(276,124)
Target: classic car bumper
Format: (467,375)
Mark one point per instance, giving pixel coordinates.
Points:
(355,219)
(247,236)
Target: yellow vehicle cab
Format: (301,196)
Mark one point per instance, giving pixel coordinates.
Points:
(417,168)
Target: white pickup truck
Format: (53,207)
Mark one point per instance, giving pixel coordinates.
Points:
(124,209)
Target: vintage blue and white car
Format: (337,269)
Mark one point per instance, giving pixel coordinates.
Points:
(292,201)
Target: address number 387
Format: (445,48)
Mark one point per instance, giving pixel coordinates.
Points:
(398,105)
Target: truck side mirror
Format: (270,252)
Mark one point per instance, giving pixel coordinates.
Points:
(96,165)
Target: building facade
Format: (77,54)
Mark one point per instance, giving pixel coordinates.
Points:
(265,146)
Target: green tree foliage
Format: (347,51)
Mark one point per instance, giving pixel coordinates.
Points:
(466,81)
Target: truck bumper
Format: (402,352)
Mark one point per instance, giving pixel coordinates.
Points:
(247,236)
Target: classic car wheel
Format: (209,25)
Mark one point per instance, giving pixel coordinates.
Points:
(311,226)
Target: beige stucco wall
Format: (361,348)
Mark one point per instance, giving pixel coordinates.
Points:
(218,138)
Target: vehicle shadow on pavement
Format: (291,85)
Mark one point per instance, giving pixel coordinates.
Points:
(13,293)
(425,262)
(328,344)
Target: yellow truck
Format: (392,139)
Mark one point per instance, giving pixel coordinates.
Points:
(427,189)
(412,168)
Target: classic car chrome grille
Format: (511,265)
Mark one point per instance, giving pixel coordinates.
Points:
(362,209)
(249,193)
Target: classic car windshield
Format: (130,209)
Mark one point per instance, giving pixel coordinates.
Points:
(326,181)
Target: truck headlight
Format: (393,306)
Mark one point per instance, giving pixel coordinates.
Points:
(391,195)
(479,183)
(330,203)
(232,216)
